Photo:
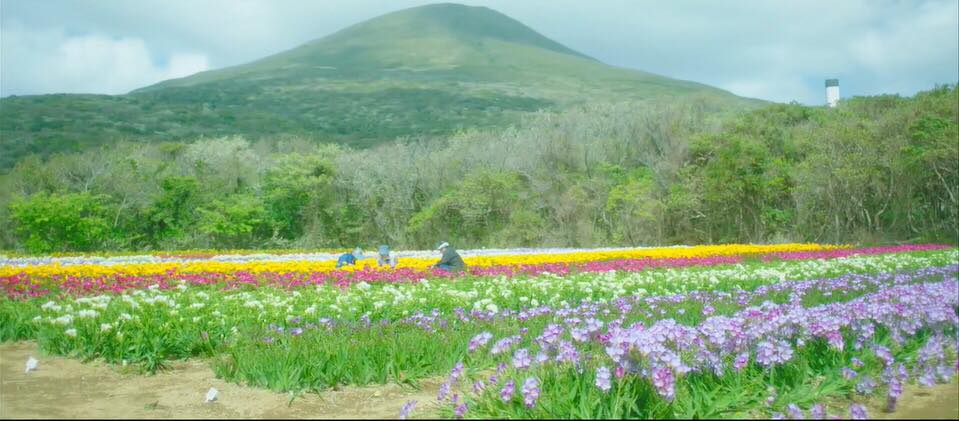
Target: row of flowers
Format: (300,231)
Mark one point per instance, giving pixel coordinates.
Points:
(24,284)
(419,263)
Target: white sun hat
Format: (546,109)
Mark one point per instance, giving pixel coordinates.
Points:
(443,244)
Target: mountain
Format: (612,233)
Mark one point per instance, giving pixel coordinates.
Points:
(424,71)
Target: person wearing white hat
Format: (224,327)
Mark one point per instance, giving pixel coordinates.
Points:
(451,260)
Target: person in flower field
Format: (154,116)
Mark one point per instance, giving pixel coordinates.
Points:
(386,257)
(451,260)
(349,258)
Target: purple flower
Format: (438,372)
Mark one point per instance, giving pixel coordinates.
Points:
(504,344)
(268,340)
(945,373)
(461,410)
(494,379)
(541,358)
(620,372)
(835,340)
(895,391)
(708,310)
(778,416)
(857,412)
(579,334)
(478,386)
(406,409)
(521,358)
(741,361)
(567,352)
(456,372)
(603,379)
(848,373)
(506,393)
(479,340)
(550,335)
(795,412)
(928,377)
(443,392)
(531,391)
(817,412)
(665,382)
(296,331)
(773,353)
(883,354)
(866,385)
(857,363)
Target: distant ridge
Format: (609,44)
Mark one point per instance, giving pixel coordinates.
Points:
(424,71)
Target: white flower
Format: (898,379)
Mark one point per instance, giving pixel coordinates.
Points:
(196,305)
(87,313)
(125,316)
(71,333)
(64,320)
(105,327)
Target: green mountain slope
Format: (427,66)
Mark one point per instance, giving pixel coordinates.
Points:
(425,71)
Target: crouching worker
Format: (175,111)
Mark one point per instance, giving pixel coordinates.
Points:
(349,258)
(451,260)
(386,257)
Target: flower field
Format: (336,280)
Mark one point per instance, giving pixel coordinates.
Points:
(791,330)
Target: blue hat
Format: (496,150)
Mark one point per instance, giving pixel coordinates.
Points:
(384,250)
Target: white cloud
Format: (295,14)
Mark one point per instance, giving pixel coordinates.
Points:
(51,61)
(775,50)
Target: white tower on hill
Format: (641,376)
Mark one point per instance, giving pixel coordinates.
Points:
(832,92)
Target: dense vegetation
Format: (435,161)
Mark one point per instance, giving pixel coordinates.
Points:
(875,169)
(426,71)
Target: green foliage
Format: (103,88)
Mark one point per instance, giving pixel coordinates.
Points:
(235,221)
(60,222)
(874,170)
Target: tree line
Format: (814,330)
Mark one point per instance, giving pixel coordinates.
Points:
(873,170)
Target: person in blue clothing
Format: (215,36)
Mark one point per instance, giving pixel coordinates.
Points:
(451,260)
(349,258)
(386,257)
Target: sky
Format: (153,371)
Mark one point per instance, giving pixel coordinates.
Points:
(780,50)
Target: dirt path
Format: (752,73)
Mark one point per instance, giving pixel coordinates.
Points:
(67,388)
(940,402)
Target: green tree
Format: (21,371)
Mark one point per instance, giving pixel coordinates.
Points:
(62,222)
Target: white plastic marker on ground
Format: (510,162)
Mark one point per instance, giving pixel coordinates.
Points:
(211,395)
(31,364)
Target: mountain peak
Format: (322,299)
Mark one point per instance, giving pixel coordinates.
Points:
(466,23)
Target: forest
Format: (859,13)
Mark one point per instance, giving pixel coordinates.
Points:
(875,170)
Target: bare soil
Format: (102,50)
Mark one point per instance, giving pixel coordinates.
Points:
(67,388)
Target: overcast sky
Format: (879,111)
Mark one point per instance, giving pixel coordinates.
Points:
(775,50)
